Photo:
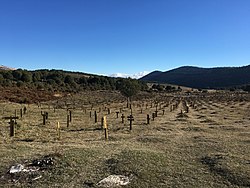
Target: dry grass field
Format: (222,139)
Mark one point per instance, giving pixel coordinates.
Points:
(207,147)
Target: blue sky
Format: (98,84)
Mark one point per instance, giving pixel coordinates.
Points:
(123,36)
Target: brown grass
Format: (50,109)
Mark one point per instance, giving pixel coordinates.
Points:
(207,147)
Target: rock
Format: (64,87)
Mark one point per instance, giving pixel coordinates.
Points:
(113,181)
(15,169)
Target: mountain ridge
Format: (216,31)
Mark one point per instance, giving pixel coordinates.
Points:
(199,77)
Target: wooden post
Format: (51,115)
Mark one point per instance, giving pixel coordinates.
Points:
(117,114)
(109,111)
(12,128)
(45,116)
(156,113)
(122,118)
(148,119)
(163,112)
(90,114)
(24,110)
(58,130)
(67,120)
(105,127)
(131,119)
(95,117)
(12,124)
(70,116)
(21,112)
(153,116)
(15,115)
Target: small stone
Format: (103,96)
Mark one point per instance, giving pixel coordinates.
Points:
(15,169)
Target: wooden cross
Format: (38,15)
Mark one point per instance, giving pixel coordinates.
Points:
(156,113)
(45,116)
(131,119)
(122,118)
(12,124)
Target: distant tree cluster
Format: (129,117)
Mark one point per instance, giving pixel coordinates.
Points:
(58,80)
(161,87)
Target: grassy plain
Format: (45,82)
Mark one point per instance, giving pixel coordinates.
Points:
(207,147)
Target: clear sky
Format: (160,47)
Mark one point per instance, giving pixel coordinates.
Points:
(123,36)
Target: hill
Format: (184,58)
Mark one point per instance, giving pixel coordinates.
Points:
(27,86)
(205,78)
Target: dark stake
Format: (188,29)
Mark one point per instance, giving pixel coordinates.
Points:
(70,116)
(106,133)
(148,119)
(67,120)
(153,116)
(109,111)
(90,114)
(95,117)
(131,119)
(156,113)
(163,112)
(45,116)
(15,115)
(21,112)
(117,114)
(12,124)
(122,118)
(12,128)
(24,110)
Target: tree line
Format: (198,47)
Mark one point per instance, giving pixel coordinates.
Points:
(66,81)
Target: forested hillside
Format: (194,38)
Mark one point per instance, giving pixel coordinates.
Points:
(204,78)
(61,81)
